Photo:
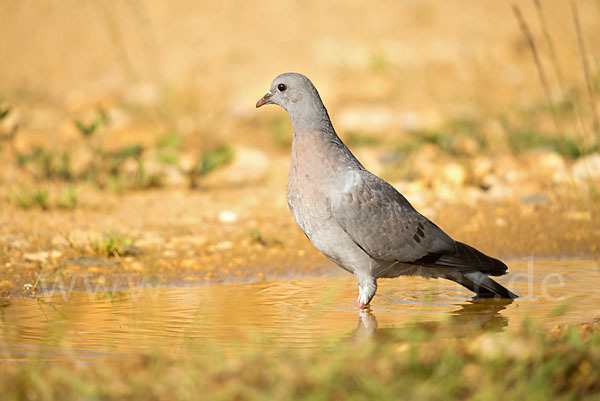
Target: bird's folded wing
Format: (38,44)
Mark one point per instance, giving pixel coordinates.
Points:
(384,224)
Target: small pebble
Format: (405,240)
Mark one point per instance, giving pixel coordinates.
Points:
(227,216)
(221,246)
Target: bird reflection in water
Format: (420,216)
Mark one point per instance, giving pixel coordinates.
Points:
(476,314)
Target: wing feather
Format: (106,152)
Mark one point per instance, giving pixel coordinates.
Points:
(385,225)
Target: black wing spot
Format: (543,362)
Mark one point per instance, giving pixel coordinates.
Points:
(429,259)
(420,225)
(416,238)
(420,233)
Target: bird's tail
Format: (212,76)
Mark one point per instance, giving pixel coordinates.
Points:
(482,285)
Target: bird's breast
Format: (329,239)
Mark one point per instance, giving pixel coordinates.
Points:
(319,175)
(307,200)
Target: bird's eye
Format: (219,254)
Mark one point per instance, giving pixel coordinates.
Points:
(281,87)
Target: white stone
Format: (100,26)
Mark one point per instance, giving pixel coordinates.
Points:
(587,168)
(42,256)
(227,216)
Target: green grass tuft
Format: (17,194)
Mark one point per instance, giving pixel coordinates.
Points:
(214,159)
(4,112)
(26,198)
(67,199)
(89,129)
(50,164)
(258,237)
(111,244)
(523,140)
(168,148)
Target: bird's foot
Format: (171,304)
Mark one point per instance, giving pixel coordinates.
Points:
(367,286)
(361,305)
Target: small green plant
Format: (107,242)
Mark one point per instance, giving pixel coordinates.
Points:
(521,140)
(51,164)
(258,237)
(67,199)
(42,278)
(87,130)
(111,244)
(4,112)
(27,198)
(40,198)
(115,160)
(142,179)
(447,138)
(168,148)
(106,170)
(7,134)
(214,159)
(171,140)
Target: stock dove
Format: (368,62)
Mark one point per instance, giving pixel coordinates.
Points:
(358,220)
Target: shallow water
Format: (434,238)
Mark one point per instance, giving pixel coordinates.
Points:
(304,312)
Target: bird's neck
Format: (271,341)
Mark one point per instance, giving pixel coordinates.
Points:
(312,119)
(315,136)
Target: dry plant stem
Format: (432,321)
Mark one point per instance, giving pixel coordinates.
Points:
(558,72)
(150,50)
(540,69)
(550,43)
(147,35)
(546,87)
(588,80)
(116,35)
(586,70)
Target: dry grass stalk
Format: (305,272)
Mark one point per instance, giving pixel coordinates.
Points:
(586,71)
(540,69)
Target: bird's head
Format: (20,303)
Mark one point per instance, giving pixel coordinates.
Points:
(290,91)
(298,96)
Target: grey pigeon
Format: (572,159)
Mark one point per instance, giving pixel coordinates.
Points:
(358,220)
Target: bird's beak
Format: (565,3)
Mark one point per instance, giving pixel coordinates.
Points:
(266,99)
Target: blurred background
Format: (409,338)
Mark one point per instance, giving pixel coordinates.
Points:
(197,68)
(132,155)
(138,117)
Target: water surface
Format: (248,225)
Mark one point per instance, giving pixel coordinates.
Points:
(304,312)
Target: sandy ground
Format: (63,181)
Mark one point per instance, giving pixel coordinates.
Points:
(241,234)
(389,73)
